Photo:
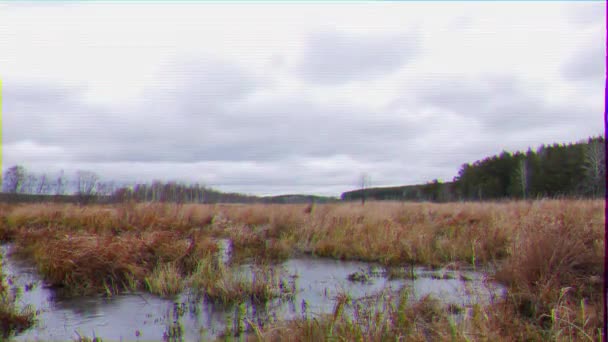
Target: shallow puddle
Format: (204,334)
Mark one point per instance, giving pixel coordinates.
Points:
(146,317)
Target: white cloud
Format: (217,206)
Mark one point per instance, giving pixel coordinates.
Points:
(333,57)
(284,98)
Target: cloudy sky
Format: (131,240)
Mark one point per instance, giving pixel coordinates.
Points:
(273,98)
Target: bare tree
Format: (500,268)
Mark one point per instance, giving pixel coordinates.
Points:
(365,181)
(110,187)
(105,188)
(87,182)
(595,166)
(87,185)
(44,185)
(31,184)
(60,184)
(14,179)
(156,191)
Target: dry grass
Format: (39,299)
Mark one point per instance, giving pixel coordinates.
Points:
(87,263)
(386,317)
(13,319)
(549,253)
(225,284)
(165,280)
(554,271)
(428,234)
(93,259)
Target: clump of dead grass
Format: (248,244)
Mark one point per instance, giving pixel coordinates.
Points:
(385,317)
(13,318)
(421,233)
(553,274)
(85,263)
(165,280)
(226,284)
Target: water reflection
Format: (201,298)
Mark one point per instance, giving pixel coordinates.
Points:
(141,316)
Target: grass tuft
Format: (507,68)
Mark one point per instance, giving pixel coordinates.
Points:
(165,280)
(13,319)
(225,284)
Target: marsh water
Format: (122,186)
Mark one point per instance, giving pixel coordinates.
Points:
(142,316)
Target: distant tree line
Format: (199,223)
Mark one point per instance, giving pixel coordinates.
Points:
(19,185)
(17,180)
(558,170)
(176,192)
(289,199)
(196,193)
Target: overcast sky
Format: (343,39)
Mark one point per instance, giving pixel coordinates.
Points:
(294,97)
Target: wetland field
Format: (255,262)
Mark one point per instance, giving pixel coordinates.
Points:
(513,270)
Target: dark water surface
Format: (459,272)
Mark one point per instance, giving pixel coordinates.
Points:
(142,316)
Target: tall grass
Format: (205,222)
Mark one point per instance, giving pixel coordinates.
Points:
(385,317)
(549,253)
(13,318)
(224,284)
(165,280)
